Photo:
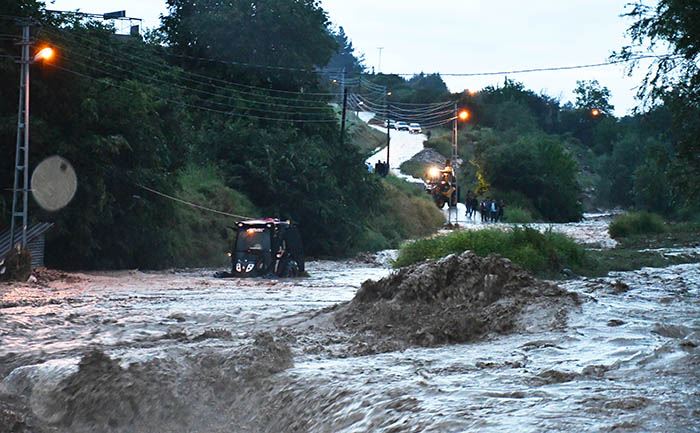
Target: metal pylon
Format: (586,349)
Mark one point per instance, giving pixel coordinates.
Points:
(20,195)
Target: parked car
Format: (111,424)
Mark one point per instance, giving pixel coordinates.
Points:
(414,128)
(402,126)
(390,123)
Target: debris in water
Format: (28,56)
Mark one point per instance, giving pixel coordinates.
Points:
(456,299)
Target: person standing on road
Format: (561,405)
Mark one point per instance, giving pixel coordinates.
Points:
(468,205)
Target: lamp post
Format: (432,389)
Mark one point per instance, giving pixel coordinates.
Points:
(462,115)
(20,197)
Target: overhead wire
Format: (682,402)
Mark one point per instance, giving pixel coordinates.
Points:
(158,67)
(188,203)
(271,107)
(544,69)
(141,60)
(185,104)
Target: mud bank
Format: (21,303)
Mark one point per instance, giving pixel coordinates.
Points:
(457,299)
(183,392)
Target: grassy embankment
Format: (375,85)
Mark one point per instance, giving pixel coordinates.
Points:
(407,212)
(363,136)
(203,238)
(548,254)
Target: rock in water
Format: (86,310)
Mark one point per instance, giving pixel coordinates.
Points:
(456,299)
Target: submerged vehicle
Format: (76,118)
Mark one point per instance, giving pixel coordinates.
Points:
(266,247)
(442,186)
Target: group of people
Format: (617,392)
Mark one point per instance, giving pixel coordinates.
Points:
(381,168)
(491,210)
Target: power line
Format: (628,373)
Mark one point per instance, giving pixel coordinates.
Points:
(185,104)
(188,203)
(140,60)
(254,65)
(322,110)
(144,62)
(543,69)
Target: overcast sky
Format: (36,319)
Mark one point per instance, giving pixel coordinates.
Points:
(465,36)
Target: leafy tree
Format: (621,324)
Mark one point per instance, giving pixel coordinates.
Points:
(591,95)
(674,79)
(344,57)
(283,33)
(539,167)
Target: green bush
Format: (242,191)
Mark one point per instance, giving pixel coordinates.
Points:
(541,253)
(202,238)
(514,214)
(539,167)
(441,143)
(414,168)
(635,223)
(406,212)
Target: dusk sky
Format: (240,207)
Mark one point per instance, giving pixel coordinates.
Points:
(466,36)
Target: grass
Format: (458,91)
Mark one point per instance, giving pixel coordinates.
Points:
(636,223)
(362,136)
(203,238)
(515,214)
(414,168)
(406,212)
(544,254)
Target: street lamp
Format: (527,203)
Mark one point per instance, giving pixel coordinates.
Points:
(44,54)
(462,115)
(595,112)
(20,197)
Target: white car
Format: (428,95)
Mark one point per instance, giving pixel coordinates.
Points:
(402,126)
(414,128)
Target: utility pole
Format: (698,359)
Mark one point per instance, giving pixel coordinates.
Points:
(342,85)
(379,64)
(454,134)
(20,196)
(342,121)
(388,136)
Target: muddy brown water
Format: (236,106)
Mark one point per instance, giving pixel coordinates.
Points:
(181,351)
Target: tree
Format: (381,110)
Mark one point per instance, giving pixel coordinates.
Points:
(539,167)
(290,34)
(672,79)
(344,57)
(591,95)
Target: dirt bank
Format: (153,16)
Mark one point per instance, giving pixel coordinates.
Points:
(177,393)
(457,299)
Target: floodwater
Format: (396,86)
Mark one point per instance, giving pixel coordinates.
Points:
(627,361)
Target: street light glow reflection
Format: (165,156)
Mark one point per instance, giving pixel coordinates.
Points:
(45,53)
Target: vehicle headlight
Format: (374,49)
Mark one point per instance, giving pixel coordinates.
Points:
(238,267)
(249,267)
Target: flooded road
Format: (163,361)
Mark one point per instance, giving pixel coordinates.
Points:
(191,358)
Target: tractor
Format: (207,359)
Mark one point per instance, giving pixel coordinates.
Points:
(266,248)
(442,185)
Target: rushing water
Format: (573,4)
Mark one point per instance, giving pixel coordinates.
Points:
(628,360)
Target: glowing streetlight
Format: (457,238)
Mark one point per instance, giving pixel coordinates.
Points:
(45,54)
(20,189)
(596,112)
(463,115)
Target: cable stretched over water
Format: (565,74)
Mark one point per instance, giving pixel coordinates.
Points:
(194,205)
